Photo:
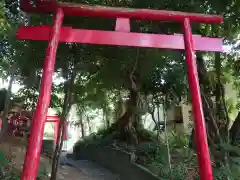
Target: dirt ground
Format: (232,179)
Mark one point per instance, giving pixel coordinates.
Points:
(15,148)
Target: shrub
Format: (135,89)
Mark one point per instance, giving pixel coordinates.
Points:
(6,171)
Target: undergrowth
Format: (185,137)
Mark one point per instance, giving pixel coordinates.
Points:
(8,172)
(153,155)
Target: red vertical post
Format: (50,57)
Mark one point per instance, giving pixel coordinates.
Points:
(200,129)
(56,125)
(122,25)
(31,163)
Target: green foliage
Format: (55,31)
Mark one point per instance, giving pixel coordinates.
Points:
(6,174)
(6,171)
(103,132)
(148,152)
(178,140)
(3,160)
(225,172)
(183,161)
(42,172)
(103,68)
(4,23)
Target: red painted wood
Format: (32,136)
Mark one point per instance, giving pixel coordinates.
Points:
(15,120)
(56,121)
(52,119)
(31,163)
(119,38)
(122,25)
(56,126)
(72,9)
(17,125)
(66,135)
(204,161)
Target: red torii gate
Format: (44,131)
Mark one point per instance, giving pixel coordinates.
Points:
(56,120)
(121,37)
(14,122)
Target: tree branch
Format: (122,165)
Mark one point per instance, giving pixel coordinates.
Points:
(133,78)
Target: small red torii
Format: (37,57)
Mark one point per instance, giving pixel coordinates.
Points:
(121,37)
(15,121)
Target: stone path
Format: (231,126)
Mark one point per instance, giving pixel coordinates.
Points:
(84,170)
(71,173)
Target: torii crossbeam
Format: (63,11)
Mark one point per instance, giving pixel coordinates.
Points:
(122,36)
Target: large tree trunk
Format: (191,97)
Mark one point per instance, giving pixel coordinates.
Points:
(234,131)
(221,108)
(120,106)
(208,104)
(216,115)
(4,127)
(151,110)
(156,122)
(126,125)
